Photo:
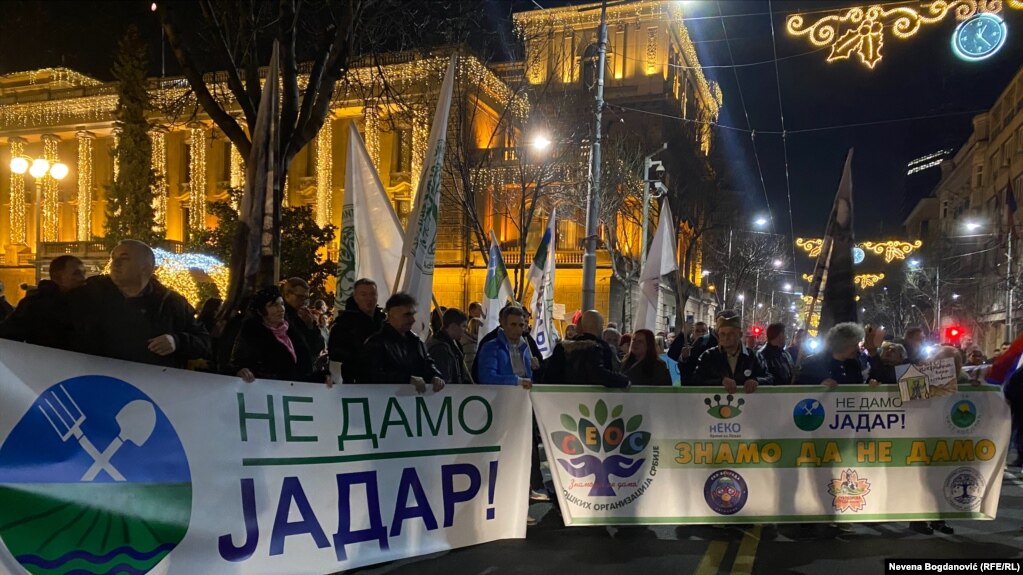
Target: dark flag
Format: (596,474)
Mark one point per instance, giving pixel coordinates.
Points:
(833,272)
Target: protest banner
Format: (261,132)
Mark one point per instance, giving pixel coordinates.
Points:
(783,454)
(108,466)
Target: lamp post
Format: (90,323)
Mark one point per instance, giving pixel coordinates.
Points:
(648,163)
(593,197)
(39,169)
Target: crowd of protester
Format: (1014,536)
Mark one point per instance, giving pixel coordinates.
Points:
(281,334)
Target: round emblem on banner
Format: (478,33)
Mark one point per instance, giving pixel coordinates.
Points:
(964,489)
(961,414)
(725,492)
(808,414)
(100,477)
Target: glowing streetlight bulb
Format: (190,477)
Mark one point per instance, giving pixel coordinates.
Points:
(788,287)
(973,226)
(741,297)
(777,263)
(39,168)
(19,164)
(760,221)
(540,142)
(59,171)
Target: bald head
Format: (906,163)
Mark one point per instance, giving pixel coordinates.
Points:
(592,323)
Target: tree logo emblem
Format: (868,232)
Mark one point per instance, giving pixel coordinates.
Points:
(964,489)
(601,448)
(726,410)
(849,491)
(93,482)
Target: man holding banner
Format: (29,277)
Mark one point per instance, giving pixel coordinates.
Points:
(396,354)
(730,362)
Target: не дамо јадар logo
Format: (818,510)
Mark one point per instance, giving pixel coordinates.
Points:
(94,480)
(808,414)
(609,441)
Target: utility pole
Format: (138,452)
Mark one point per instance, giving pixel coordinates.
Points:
(647,182)
(593,197)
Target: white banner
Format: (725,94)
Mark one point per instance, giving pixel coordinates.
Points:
(108,466)
(782,454)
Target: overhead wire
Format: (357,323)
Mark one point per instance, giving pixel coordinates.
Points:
(784,136)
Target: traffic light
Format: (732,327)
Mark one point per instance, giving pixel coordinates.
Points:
(757,331)
(954,333)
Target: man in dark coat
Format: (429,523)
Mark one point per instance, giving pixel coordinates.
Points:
(44,317)
(130,315)
(445,350)
(731,364)
(585,359)
(779,363)
(296,310)
(687,352)
(361,319)
(6,309)
(396,354)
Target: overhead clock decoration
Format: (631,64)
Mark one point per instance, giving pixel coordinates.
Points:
(979,37)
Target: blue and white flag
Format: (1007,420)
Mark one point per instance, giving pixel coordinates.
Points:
(497,290)
(543,289)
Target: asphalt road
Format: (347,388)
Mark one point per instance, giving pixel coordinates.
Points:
(551,548)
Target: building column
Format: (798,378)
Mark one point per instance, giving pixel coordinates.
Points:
(17,230)
(116,133)
(371,126)
(198,143)
(420,139)
(158,137)
(324,173)
(84,228)
(51,192)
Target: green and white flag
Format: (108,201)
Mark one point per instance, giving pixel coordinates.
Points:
(371,235)
(416,271)
(543,290)
(498,289)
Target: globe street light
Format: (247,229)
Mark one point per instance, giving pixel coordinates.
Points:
(540,142)
(39,169)
(761,221)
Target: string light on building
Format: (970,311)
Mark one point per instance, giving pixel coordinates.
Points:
(197,178)
(17,230)
(84,228)
(158,137)
(116,134)
(237,169)
(861,30)
(324,173)
(51,191)
(420,137)
(371,125)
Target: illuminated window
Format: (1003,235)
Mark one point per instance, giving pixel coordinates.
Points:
(619,54)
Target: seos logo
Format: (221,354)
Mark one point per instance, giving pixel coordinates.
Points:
(725,492)
(961,414)
(849,491)
(93,483)
(726,410)
(964,489)
(808,414)
(609,441)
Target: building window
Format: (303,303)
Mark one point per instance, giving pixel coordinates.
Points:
(925,227)
(978,175)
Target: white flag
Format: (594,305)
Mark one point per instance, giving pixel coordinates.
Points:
(416,271)
(660,260)
(497,290)
(371,235)
(543,290)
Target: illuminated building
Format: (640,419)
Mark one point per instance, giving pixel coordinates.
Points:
(652,65)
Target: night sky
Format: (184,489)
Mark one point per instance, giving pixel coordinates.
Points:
(917,77)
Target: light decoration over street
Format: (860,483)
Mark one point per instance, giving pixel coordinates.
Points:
(862,281)
(861,30)
(184,273)
(891,250)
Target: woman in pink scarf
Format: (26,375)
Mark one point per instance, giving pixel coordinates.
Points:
(268,348)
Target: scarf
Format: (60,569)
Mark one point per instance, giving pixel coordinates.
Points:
(281,334)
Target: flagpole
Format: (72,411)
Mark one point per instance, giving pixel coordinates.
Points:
(1008,284)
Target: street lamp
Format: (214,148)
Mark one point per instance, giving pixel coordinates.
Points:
(658,167)
(540,142)
(742,308)
(761,221)
(973,226)
(39,169)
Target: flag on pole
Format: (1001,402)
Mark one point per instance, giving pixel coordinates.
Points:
(416,270)
(371,235)
(543,290)
(660,260)
(497,290)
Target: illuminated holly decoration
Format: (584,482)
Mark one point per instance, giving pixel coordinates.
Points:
(811,247)
(861,281)
(184,273)
(892,250)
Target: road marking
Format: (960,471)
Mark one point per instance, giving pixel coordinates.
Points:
(747,554)
(712,558)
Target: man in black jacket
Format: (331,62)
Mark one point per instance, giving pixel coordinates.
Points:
(779,363)
(361,319)
(687,352)
(585,359)
(445,350)
(296,311)
(730,363)
(130,315)
(43,317)
(396,354)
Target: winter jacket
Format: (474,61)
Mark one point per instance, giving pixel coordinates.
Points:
(314,343)
(257,349)
(470,345)
(494,360)
(583,360)
(779,363)
(654,373)
(447,355)
(821,366)
(348,337)
(533,350)
(881,371)
(41,318)
(395,358)
(712,367)
(6,309)
(687,366)
(109,324)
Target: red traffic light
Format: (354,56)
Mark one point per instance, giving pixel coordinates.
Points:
(954,333)
(757,330)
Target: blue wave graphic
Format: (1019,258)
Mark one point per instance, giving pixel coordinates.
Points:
(115,570)
(79,554)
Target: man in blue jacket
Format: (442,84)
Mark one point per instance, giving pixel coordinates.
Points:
(506,359)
